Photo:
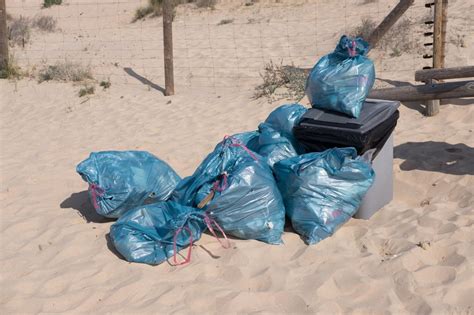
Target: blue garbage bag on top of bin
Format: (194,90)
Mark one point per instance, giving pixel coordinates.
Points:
(323,190)
(236,188)
(121,180)
(152,233)
(341,80)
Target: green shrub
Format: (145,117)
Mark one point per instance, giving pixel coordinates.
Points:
(11,70)
(225,21)
(206,3)
(49,3)
(86,90)
(105,84)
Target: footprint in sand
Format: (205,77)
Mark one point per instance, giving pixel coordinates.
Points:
(429,222)
(447,228)
(431,255)
(435,275)
(404,289)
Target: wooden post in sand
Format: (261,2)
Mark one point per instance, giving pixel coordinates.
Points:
(3,36)
(439,39)
(389,21)
(168,46)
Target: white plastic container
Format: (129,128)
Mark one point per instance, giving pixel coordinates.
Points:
(381,192)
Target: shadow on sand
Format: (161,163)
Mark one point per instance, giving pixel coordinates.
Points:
(143,80)
(442,157)
(80,201)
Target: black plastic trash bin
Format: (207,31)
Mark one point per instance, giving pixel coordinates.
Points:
(320,130)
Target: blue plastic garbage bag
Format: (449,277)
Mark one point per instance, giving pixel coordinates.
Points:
(152,233)
(121,180)
(274,139)
(284,118)
(236,189)
(273,146)
(341,81)
(323,190)
(249,139)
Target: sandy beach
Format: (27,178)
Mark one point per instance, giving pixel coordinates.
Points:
(415,255)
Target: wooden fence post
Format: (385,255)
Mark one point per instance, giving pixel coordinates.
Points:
(3,37)
(388,22)
(432,106)
(168,46)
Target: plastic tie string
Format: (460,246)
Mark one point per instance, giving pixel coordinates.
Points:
(221,184)
(237,143)
(209,222)
(352,50)
(96,191)
(175,246)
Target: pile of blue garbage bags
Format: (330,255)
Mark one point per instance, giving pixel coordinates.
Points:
(246,187)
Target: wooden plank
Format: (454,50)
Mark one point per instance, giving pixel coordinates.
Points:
(445,73)
(426,92)
(3,36)
(438,61)
(432,106)
(444,19)
(168,46)
(389,21)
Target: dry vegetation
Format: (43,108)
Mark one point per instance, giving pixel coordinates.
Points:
(225,21)
(65,72)
(11,70)
(290,79)
(44,23)
(19,29)
(154,7)
(397,41)
(86,89)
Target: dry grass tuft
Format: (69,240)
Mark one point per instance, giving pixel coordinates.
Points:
(65,72)
(155,7)
(44,23)
(11,70)
(19,31)
(397,41)
(290,78)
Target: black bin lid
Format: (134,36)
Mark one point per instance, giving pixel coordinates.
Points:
(373,113)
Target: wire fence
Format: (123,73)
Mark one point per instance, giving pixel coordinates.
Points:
(225,47)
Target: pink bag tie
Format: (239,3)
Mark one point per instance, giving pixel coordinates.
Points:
(352,50)
(175,247)
(218,186)
(237,143)
(96,191)
(209,221)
